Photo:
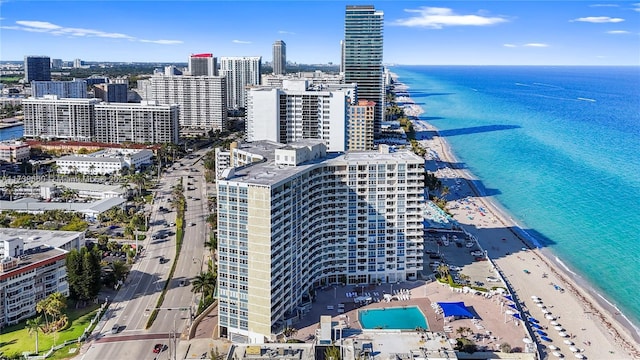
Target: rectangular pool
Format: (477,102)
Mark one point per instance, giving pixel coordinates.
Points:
(395,318)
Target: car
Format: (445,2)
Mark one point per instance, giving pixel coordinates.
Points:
(157,348)
(115,328)
(492,279)
(477,253)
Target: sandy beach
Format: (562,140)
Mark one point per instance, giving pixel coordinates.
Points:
(585,319)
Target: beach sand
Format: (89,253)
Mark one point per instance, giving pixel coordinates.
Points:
(590,323)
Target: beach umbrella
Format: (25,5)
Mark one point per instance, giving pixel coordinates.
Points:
(568,342)
(545,311)
(557,354)
(540,332)
(548,340)
(559,328)
(532,319)
(579,356)
(527,341)
(513,306)
(562,334)
(517,316)
(550,317)
(573,349)
(537,301)
(509,297)
(510,312)
(540,305)
(554,323)
(552,347)
(533,297)
(536,326)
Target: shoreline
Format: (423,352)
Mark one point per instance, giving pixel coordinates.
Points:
(617,326)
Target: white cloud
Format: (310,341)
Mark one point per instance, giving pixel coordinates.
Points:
(604,5)
(599,19)
(617,32)
(162,42)
(286,32)
(437,18)
(539,45)
(636,7)
(509,45)
(53,29)
(240,42)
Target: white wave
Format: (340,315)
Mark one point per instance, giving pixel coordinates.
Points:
(586,99)
(548,85)
(565,266)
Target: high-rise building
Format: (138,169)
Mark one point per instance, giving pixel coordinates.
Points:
(37,68)
(299,111)
(146,122)
(302,218)
(77,63)
(202,99)
(76,89)
(56,63)
(360,125)
(279,57)
(113,93)
(52,118)
(363,55)
(240,72)
(203,65)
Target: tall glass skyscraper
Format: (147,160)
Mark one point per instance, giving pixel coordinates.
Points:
(37,68)
(363,55)
(279,57)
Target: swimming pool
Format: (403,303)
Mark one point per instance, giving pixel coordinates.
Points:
(395,318)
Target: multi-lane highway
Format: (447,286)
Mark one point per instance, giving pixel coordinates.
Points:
(138,296)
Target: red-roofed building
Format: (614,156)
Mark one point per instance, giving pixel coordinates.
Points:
(203,65)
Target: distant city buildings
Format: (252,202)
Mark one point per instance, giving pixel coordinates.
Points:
(32,267)
(298,111)
(111,92)
(77,63)
(56,63)
(239,73)
(76,89)
(37,68)
(279,57)
(363,49)
(308,218)
(203,65)
(202,99)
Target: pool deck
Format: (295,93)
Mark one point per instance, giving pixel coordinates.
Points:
(491,330)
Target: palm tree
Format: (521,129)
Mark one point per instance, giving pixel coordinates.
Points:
(289,332)
(464,277)
(10,188)
(120,269)
(212,243)
(332,353)
(43,307)
(34,325)
(204,283)
(443,270)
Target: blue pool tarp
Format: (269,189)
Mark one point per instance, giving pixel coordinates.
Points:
(455,309)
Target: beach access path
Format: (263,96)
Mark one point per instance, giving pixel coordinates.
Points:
(587,324)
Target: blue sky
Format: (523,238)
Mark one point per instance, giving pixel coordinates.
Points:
(416,32)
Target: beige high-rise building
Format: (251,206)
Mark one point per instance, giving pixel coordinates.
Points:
(302,218)
(240,72)
(360,125)
(146,122)
(49,117)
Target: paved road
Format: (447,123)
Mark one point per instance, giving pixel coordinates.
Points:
(149,274)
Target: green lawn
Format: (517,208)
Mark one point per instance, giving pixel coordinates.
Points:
(16,339)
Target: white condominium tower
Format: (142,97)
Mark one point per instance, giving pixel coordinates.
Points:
(52,118)
(279,57)
(299,111)
(240,73)
(304,218)
(202,99)
(203,65)
(142,123)
(363,55)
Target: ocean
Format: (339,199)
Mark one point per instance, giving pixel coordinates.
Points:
(559,148)
(11,133)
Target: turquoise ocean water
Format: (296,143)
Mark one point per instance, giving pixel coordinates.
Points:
(560,149)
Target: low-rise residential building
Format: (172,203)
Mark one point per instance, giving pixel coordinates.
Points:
(32,267)
(14,151)
(108,161)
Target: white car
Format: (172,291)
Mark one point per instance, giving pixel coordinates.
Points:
(492,279)
(477,253)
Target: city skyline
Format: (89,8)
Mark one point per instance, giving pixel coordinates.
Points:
(427,33)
